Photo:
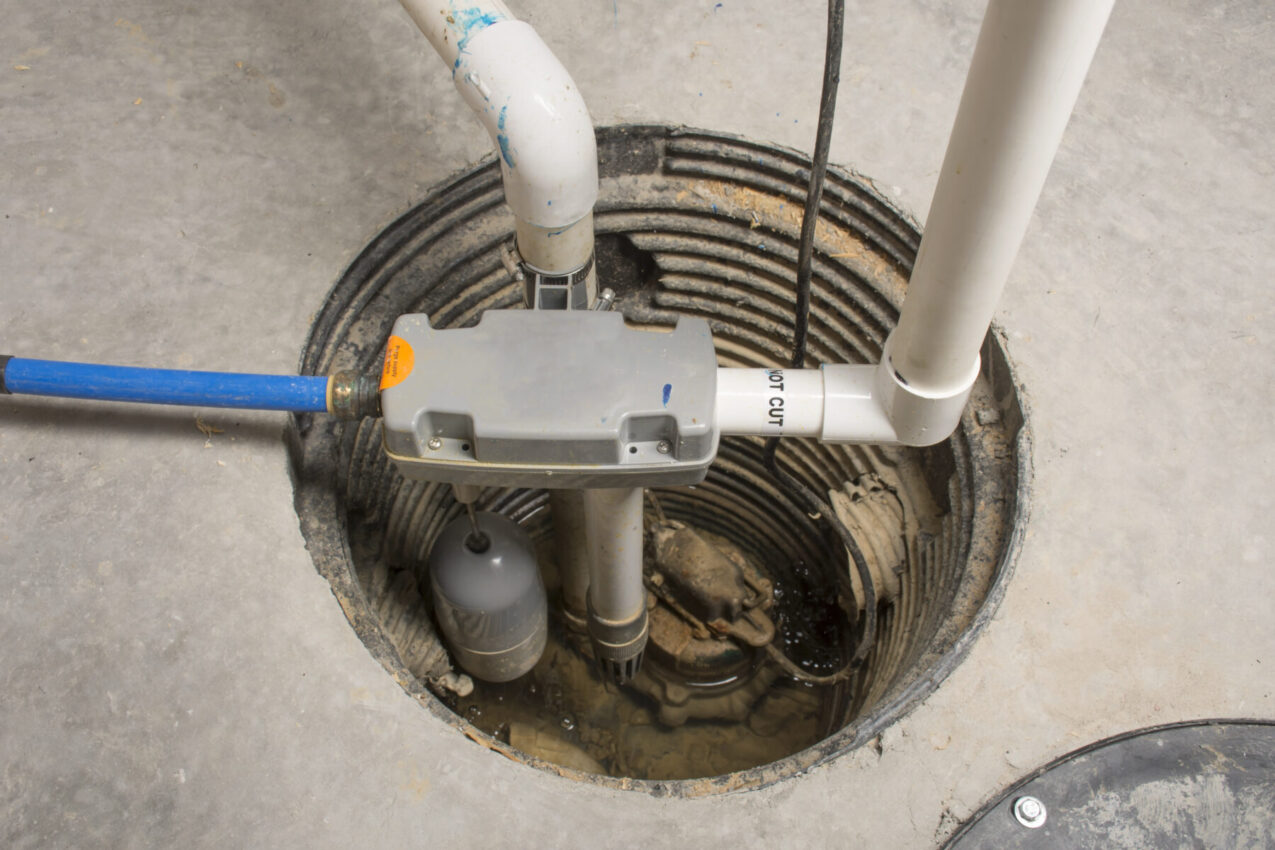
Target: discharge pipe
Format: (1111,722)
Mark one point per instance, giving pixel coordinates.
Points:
(538,122)
(617,619)
(1028,67)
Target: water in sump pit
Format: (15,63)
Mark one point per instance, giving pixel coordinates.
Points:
(565,713)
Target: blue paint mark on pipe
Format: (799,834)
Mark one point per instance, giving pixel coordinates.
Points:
(467,23)
(668,391)
(500,122)
(471,21)
(506,151)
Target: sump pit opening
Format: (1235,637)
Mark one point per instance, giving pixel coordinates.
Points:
(688,223)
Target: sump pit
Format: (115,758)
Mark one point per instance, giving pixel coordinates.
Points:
(688,223)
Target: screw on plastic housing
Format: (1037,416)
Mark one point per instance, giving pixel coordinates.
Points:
(1030,812)
(435,443)
(664,447)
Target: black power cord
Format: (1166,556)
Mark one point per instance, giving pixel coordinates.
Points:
(801,326)
(818,170)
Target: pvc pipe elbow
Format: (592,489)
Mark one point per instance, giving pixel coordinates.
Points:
(874,404)
(537,119)
(921,416)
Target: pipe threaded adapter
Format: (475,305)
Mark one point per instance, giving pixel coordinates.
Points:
(352,395)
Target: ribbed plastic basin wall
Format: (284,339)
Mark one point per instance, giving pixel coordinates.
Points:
(688,223)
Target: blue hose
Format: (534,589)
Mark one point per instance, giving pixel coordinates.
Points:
(163,386)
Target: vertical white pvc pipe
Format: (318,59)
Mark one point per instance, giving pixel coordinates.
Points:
(571,550)
(613,526)
(1028,66)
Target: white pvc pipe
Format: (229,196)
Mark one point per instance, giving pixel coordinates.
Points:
(836,404)
(1028,67)
(613,527)
(559,250)
(448,28)
(537,120)
(571,550)
(770,402)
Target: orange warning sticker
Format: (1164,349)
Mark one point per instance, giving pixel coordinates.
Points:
(399,360)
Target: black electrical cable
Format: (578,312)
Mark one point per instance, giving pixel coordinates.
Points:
(818,170)
(801,325)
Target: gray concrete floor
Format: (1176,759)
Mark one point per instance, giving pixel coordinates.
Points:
(182,182)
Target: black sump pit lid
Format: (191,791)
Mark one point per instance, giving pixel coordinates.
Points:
(1202,784)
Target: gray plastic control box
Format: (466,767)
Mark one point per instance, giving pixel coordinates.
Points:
(538,398)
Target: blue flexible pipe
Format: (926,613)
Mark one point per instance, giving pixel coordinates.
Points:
(20,375)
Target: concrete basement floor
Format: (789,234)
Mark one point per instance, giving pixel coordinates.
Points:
(183,182)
